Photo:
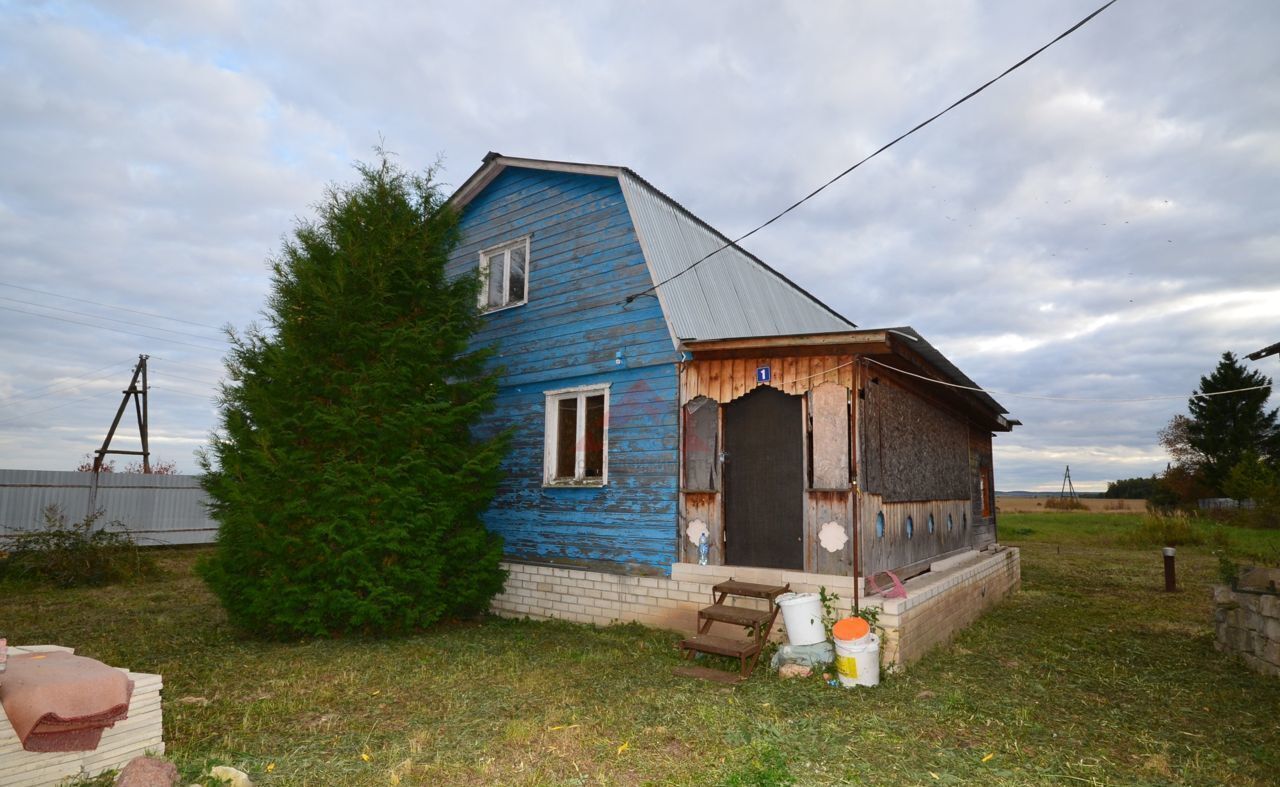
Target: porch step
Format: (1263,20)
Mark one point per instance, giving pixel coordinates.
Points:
(737,616)
(747,652)
(750,589)
(706,673)
(721,646)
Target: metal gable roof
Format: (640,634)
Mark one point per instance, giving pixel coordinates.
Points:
(730,294)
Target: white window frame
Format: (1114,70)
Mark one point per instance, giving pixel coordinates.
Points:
(504,251)
(551,442)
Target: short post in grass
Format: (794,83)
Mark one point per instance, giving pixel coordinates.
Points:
(1170,573)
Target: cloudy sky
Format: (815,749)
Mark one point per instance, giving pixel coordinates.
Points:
(1102,224)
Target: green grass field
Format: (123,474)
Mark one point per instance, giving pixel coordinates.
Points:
(1089,675)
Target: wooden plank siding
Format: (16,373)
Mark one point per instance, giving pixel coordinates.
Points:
(911,454)
(726,379)
(584,258)
(980,465)
(918,457)
(894,550)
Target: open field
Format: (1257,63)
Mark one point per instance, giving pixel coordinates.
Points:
(1097,505)
(1089,675)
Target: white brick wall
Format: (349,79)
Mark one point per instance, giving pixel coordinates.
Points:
(938,604)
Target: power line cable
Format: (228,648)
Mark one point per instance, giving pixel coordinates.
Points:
(108,328)
(208,398)
(188,364)
(168,375)
(899,138)
(1158,398)
(110,306)
(109,319)
(37,393)
(47,409)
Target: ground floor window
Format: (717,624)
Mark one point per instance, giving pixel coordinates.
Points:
(577,436)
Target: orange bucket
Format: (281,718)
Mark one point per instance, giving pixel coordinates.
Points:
(850,629)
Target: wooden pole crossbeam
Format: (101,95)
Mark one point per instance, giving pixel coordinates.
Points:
(139,396)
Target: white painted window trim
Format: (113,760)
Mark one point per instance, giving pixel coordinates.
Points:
(550,442)
(503,249)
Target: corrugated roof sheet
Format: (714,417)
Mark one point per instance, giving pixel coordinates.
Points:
(730,294)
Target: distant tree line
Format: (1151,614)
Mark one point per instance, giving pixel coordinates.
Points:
(1132,488)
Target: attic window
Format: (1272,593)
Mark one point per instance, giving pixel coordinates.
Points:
(504,275)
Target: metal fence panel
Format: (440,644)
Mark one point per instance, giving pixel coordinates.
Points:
(154,509)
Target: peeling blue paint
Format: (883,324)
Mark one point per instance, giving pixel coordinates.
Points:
(584,259)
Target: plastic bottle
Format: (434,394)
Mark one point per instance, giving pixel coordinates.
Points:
(704,549)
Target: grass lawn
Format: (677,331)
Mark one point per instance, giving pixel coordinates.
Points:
(1089,675)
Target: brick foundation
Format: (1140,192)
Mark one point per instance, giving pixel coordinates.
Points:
(942,603)
(939,603)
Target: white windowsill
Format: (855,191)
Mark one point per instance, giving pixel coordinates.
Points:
(504,308)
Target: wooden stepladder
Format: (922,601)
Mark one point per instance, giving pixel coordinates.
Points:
(758,621)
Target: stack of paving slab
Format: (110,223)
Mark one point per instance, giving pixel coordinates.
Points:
(141,733)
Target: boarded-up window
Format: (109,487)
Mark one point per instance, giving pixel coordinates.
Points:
(701,445)
(829,419)
(914,451)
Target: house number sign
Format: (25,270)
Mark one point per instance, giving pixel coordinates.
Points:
(764,374)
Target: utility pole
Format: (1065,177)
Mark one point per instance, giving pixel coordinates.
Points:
(1068,488)
(139,396)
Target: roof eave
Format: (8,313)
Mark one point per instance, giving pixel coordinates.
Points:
(494,163)
(899,342)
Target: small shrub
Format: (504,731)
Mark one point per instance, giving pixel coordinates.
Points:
(830,608)
(1165,530)
(872,616)
(78,554)
(1228,571)
(1065,504)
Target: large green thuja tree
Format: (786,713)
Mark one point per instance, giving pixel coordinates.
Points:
(346,478)
(1224,429)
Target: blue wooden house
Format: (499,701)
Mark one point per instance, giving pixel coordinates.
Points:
(726,400)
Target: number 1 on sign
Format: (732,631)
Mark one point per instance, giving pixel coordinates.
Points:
(764,374)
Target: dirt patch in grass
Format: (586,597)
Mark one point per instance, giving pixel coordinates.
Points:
(1090,674)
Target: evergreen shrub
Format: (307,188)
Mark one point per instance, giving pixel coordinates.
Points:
(346,477)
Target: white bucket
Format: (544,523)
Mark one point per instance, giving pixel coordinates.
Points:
(802,614)
(858,661)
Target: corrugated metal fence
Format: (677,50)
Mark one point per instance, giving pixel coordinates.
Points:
(155,509)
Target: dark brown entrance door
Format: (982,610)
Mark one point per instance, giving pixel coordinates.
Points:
(764,480)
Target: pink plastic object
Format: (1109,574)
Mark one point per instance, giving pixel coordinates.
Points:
(897,591)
